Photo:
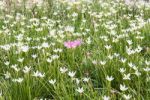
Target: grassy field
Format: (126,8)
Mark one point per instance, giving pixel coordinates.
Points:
(75,50)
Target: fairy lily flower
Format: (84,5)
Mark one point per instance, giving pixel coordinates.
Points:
(26,69)
(7,63)
(7,75)
(86,79)
(106,98)
(52,81)
(77,81)
(80,90)
(1,93)
(19,80)
(63,69)
(109,78)
(72,74)
(24,48)
(21,60)
(123,87)
(38,74)
(72,44)
(127,97)
(126,76)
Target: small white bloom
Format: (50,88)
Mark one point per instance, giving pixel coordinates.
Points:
(21,60)
(126,77)
(123,87)
(102,62)
(24,48)
(45,45)
(34,56)
(110,57)
(127,97)
(69,29)
(15,68)
(38,74)
(109,78)
(7,63)
(122,70)
(77,81)
(147,63)
(108,47)
(80,90)
(49,60)
(19,80)
(52,81)
(72,74)
(94,62)
(1,93)
(137,73)
(26,69)
(7,75)
(54,57)
(116,54)
(63,70)
(88,41)
(106,98)
(86,79)
(147,69)
(123,60)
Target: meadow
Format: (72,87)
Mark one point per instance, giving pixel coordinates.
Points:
(74,50)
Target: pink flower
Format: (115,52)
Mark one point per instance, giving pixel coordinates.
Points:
(72,44)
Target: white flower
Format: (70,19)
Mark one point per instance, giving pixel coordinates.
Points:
(126,77)
(129,42)
(34,56)
(72,74)
(52,81)
(20,60)
(24,48)
(108,47)
(77,81)
(106,98)
(80,90)
(19,80)
(7,75)
(7,63)
(147,62)
(74,14)
(57,50)
(123,60)
(88,41)
(49,60)
(63,70)
(116,54)
(94,62)
(1,93)
(109,78)
(147,69)
(137,73)
(15,68)
(86,79)
(69,29)
(102,62)
(110,57)
(38,74)
(54,57)
(123,87)
(127,97)
(26,69)
(122,70)
(45,45)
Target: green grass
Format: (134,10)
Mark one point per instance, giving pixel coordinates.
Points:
(123,28)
